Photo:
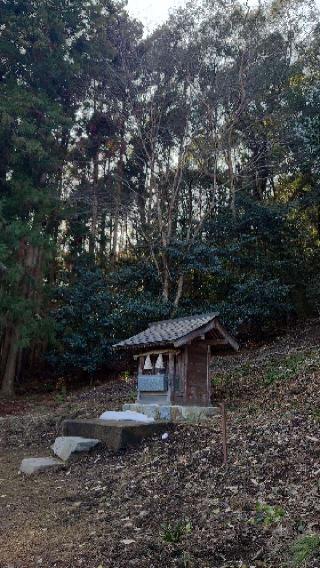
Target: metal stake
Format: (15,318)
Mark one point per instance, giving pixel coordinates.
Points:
(224,432)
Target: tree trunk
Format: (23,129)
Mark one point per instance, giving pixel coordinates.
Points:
(103,240)
(165,282)
(94,208)
(232,182)
(115,236)
(116,216)
(4,351)
(179,291)
(9,374)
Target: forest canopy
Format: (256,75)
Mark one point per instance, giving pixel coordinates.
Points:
(143,177)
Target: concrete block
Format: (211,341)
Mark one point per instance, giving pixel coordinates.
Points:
(116,435)
(198,413)
(175,413)
(165,413)
(36,465)
(64,446)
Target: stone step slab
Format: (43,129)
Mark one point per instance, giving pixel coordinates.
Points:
(65,446)
(30,466)
(115,435)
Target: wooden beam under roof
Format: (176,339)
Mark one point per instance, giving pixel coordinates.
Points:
(217,342)
(227,336)
(156,352)
(202,331)
(194,334)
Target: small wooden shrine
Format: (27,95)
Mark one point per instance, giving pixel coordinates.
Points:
(173,359)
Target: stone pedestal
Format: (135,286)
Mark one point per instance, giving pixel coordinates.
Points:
(175,413)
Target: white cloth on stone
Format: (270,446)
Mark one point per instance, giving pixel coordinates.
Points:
(127,415)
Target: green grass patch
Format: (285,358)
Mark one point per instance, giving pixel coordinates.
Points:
(267,515)
(174,532)
(316,414)
(290,366)
(287,368)
(304,549)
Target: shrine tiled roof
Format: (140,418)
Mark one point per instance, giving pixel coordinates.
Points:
(167,332)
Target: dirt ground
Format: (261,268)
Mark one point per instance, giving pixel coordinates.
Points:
(172,502)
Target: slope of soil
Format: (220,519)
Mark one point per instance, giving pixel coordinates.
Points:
(171,502)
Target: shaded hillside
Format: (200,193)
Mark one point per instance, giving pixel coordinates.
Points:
(172,503)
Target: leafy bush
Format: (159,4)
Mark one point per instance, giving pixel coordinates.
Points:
(92,312)
(252,305)
(84,326)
